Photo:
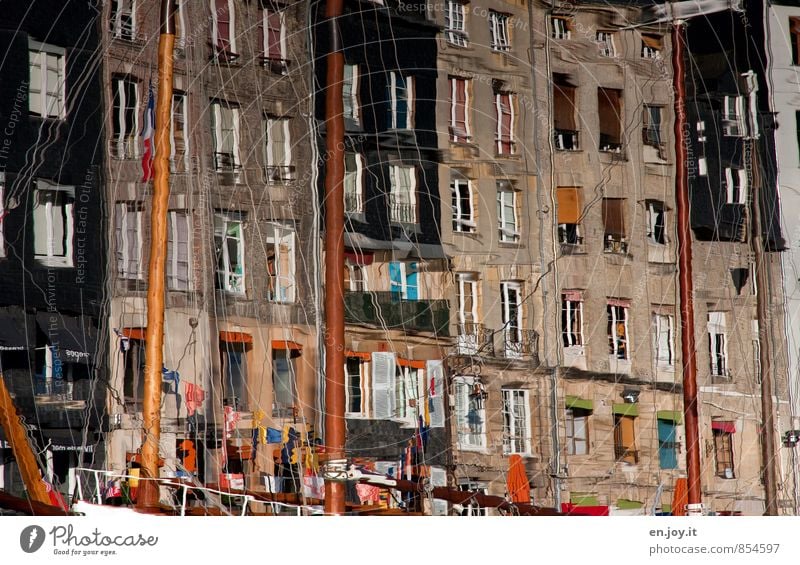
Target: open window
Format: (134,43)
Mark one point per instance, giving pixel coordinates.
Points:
(617,328)
(229,250)
(463,206)
(569,214)
(234,347)
(723,448)
(285,402)
(53,223)
(609,108)
(652,45)
(565,128)
(614,234)
(280,252)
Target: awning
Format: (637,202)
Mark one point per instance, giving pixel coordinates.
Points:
(359,258)
(134,333)
(579,403)
(670,415)
(294,348)
(626,409)
(359,354)
(723,426)
(235,337)
(73,336)
(14,330)
(413,363)
(572,295)
(652,41)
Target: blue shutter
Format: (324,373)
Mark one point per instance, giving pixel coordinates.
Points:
(396,281)
(667,452)
(412,292)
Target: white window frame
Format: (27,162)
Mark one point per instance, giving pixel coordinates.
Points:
(499,118)
(454,82)
(126,146)
(569,307)
(285,290)
(466,438)
(40,55)
(229,276)
(184,104)
(500,33)
(731,188)
(397,214)
(123,7)
(357,284)
(127,213)
(664,324)
(511,436)
(733,116)
(605,39)
(50,259)
(569,421)
(614,338)
(407,387)
(265,26)
(364,385)
(173,263)
(505,298)
(352,109)
(473,508)
(354,192)
(231,26)
(455,23)
(393,88)
(508,228)
(278,172)
(652,220)
(650,52)
(717,327)
(217,108)
(559,27)
(463,221)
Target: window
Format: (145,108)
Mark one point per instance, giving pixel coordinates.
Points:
(355,277)
(736,185)
(179,134)
(565,129)
(468,317)
(463,215)
(605,41)
(223,29)
(511,302)
(225,138)
(663,340)
(614,240)
(516,422)
(123,19)
(625,439)
(403,280)
(353,183)
(459,110)
(756,352)
(284,383)
(407,393)
(617,314)
(473,508)
(498,26)
(470,414)
(2,213)
(723,448)
(507,215)
(272,40)
(794,31)
(560,27)
(572,318)
(702,167)
(53,223)
(180,24)
(357,390)
(667,444)
(651,131)
(504,133)
(569,214)
(125,118)
(454,24)
(403,196)
(133,379)
(733,116)
(609,108)
(350,94)
(178,252)
(128,236)
(229,249)
(278,149)
(46,90)
(652,46)
(234,375)
(400,97)
(383,385)
(577,422)
(717,346)
(280,263)
(656,222)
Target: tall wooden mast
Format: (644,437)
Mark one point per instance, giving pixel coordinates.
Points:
(154,345)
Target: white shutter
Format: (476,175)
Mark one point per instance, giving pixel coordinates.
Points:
(383,375)
(438,479)
(119,236)
(434,373)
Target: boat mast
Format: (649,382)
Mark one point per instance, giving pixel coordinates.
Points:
(334,265)
(688,348)
(154,344)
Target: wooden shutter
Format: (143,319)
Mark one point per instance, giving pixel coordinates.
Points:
(652,41)
(569,206)
(434,373)
(564,107)
(223,39)
(274,35)
(614,216)
(609,109)
(383,377)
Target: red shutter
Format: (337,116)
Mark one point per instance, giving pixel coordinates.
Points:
(274,35)
(505,123)
(223,25)
(461,108)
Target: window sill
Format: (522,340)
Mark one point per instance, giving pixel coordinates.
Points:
(509,244)
(56,262)
(471,449)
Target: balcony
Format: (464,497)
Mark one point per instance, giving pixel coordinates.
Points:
(473,339)
(387,310)
(565,140)
(615,245)
(510,343)
(57,391)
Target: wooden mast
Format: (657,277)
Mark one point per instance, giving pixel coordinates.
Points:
(154,344)
(334,259)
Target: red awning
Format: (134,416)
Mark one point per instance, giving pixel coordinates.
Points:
(359,355)
(235,337)
(573,295)
(723,426)
(286,344)
(359,258)
(134,333)
(414,364)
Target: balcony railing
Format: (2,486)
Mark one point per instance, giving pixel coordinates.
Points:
(473,339)
(384,309)
(520,344)
(565,140)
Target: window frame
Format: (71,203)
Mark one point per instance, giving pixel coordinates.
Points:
(718,344)
(463,222)
(123,211)
(218,42)
(651,52)
(566,28)
(183,103)
(737,187)
(573,439)
(126,142)
(118,9)
(455,23)
(459,85)
(651,133)
(218,137)
(605,41)
(363,386)
(505,139)
(473,435)
(616,343)
(394,100)
(500,31)
(505,234)
(623,452)
(352,106)
(230,218)
(281,409)
(284,171)
(512,329)
(664,445)
(664,323)
(570,316)
(733,116)
(68,191)
(173,258)
(396,214)
(654,209)
(281,234)
(511,438)
(723,445)
(266,53)
(356,195)
(44,51)
(227,351)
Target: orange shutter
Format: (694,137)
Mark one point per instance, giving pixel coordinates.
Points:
(569,208)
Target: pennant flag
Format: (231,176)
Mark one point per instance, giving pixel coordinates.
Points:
(274,436)
(148,134)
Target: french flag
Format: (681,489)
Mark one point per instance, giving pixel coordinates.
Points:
(148,133)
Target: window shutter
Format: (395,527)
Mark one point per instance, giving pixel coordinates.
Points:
(412,282)
(383,375)
(569,209)
(119,222)
(223,41)
(614,217)
(133,229)
(564,107)
(434,371)
(438,479)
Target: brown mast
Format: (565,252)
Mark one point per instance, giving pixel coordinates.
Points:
(334,259)
(154,344)
(688,347)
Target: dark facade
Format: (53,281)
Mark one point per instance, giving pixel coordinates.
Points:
(51,274)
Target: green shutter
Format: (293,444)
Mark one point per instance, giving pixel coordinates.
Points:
(626,409)
(666,508)
(625,504)
(671,415)
(579,403)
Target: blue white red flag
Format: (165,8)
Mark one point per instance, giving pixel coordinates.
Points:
(148,135)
